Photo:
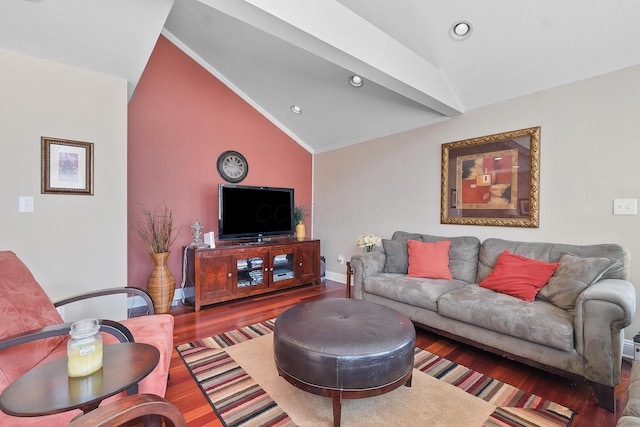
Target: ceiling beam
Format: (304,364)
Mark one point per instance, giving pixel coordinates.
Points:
(333,32)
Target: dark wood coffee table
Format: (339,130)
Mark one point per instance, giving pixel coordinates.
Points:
(48,389)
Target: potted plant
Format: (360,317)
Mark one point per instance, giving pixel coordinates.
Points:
(155,228)
(299,215)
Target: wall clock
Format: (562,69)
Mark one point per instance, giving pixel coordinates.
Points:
(232,166)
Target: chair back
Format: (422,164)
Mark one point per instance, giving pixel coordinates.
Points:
(24,306)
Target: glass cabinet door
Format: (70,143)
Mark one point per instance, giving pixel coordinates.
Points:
(283,267)
(250,272)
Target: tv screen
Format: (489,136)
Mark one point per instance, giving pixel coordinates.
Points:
(253,212)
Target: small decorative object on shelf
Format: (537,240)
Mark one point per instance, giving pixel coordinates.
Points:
(368,241)
(299,215)
(197,235)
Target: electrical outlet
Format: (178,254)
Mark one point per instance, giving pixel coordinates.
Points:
(625,206)
(341,259)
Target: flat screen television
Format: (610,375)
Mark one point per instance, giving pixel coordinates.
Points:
(246,212)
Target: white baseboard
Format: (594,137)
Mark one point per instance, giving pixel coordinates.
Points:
(133,302)
(336,277)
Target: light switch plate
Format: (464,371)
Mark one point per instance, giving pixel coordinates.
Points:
(625,206)
(25,204)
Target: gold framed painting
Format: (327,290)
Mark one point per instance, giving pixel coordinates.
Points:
(494,180)
(67,166)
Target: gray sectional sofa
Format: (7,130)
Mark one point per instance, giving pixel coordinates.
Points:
(580,340)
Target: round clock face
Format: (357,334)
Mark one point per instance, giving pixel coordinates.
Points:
(232,166)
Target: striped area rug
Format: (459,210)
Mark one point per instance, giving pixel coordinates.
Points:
(239,401)
(515,407)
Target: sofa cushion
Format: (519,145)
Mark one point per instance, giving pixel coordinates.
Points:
(572,277)
(518,276)
(550,252)
(419,292)
(24,306)
(538,321)
(397,258)
(404,236)
(156,330)
(463,253)
(429,259)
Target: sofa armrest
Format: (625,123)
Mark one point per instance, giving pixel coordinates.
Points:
(616,291)
(602,312)
(111,291)
(366,264)
(117,329)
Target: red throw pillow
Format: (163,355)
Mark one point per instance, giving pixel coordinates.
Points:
(428,259)
(519,276)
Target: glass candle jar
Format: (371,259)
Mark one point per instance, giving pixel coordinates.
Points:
(84,348)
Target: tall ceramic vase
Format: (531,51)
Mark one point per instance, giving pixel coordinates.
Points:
(161,284)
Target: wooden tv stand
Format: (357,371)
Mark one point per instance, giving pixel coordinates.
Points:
(229,272)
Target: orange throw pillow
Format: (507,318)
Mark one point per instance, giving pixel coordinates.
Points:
(427,259)
(519,276)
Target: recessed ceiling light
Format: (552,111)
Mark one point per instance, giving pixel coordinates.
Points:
(460,30)
(356,81)
(296,109)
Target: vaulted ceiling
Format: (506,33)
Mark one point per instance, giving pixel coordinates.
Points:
(277,54)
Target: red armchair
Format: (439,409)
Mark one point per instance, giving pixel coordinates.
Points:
(153,409)
(32,333)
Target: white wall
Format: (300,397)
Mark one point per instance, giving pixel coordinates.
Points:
(590,146)
(71,243)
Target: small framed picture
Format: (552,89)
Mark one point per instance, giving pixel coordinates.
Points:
(67,166)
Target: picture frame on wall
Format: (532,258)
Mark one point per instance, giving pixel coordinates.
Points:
(494,179)
(67,166)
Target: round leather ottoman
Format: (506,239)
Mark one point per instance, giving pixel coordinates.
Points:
(344,349)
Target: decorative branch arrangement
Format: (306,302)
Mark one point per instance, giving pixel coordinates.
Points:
(155,228)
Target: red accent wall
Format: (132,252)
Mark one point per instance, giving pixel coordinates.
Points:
(180,120)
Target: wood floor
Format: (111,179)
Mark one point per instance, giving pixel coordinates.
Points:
(185,394)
